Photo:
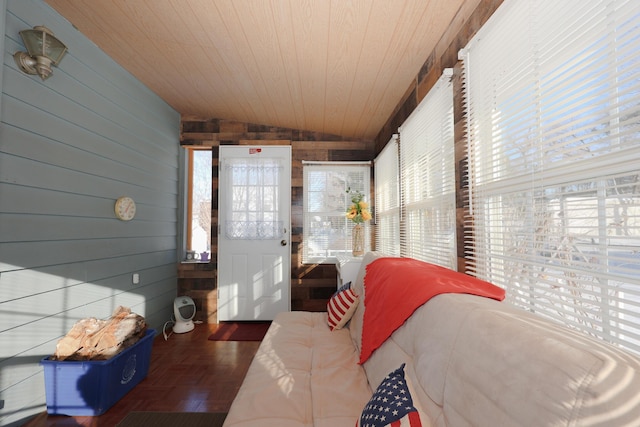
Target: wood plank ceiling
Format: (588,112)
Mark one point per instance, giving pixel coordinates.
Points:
(333,66)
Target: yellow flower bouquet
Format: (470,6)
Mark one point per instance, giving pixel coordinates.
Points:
(359,211)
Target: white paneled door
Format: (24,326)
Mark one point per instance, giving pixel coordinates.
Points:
(254,220)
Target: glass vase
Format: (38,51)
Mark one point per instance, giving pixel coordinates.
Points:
(357,240)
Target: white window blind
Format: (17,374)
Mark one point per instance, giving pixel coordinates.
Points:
(553,95)
(327,231)
(428,229)
(387,193)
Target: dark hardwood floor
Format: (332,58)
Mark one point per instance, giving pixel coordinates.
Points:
(187,373)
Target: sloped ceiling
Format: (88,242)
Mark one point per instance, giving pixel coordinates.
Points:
(333,66)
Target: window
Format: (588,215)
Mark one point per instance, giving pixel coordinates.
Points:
(428,229)
(251,209)
(327,232)
(553,99)
(199,188)
(387,191)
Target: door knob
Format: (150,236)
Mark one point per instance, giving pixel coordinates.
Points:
(283,243)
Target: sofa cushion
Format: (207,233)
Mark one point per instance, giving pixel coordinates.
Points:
(565,377)
(391,404)
(341,306)
(303,374)
(478,362)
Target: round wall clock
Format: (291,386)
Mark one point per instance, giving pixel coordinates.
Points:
(125,208)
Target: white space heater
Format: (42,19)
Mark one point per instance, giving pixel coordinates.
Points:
(183,309)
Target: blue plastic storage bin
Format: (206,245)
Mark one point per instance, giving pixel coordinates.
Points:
(92,387)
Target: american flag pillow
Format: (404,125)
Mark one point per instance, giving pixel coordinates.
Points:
(341,306)
(391,405)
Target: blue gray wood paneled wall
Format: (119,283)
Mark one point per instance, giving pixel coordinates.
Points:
(69,146)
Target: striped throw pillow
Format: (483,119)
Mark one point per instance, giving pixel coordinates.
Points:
(341,306)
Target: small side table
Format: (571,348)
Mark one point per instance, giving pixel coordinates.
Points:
(348,267)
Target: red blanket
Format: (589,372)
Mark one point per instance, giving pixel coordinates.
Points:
(396,287)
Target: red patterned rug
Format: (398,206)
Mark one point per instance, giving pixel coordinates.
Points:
(240,331)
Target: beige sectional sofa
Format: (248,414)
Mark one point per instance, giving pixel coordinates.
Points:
(469,361)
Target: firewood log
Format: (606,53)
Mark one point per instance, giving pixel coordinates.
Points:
(94,339)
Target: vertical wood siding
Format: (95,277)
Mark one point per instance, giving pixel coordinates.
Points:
(69,147)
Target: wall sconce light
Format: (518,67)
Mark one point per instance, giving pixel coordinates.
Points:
(43,49)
